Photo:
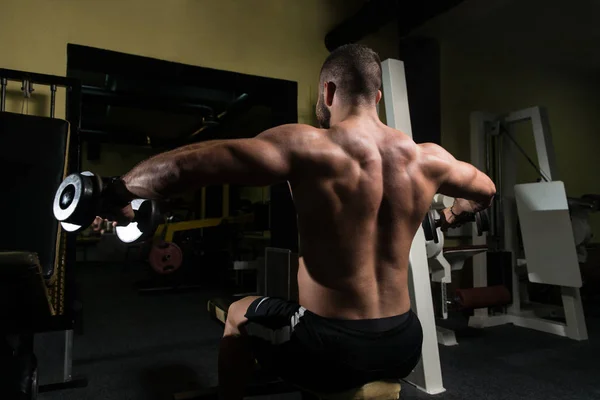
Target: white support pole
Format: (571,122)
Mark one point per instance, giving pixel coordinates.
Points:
(68,360)
(574,316)
(427,376)
(397,112)
(479,120)
(509,212)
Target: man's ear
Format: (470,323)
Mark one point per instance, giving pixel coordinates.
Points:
(329,92)
(379,96)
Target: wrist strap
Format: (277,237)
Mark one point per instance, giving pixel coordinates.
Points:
(452,211)
(116,192)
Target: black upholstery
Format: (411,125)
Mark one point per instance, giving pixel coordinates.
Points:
(32,164)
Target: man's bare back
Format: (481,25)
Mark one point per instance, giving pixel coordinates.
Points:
(357,224)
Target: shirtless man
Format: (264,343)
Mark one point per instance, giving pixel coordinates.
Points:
(361,191)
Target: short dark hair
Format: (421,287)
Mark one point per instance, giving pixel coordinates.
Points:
(356,71)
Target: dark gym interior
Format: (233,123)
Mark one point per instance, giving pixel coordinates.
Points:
(88,315)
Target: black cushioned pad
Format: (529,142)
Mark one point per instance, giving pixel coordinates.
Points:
(32,163)
(24,301)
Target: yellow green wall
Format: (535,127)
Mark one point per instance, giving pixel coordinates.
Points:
(494,82)
(275,38)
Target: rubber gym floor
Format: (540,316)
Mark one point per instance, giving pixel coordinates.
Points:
(149,347)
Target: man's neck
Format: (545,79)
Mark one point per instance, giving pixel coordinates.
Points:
(355,112)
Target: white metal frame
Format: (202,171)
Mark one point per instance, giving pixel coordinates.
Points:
(427,376)
(575,327)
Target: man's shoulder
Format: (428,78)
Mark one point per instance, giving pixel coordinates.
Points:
(434,152)
(294,132)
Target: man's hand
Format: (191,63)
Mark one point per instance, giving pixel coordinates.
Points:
(116,217)
(449,220)
(459,213)
(100,225)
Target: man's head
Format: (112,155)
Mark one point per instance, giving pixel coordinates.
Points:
(350,77)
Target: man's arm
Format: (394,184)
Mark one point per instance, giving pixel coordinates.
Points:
(472,189)
(271,157)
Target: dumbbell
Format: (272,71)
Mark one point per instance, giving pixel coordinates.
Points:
(430,224)
(78,201)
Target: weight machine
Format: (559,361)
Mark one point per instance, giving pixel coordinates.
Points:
(40,310)
(549,247)
(540,213)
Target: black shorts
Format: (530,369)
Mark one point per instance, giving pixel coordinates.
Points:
(331,355)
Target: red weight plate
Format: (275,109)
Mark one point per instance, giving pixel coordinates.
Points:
(165,257)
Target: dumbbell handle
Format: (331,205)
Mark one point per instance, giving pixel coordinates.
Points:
(138,215)
(466,218)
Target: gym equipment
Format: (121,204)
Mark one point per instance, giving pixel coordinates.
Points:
(167,231)
(483,297)
(165,257)
(541,212)
(78,200)
(430,224)
(442,261)
(208,252)
(37,153)
(144,224)
(429,228)
(31,309)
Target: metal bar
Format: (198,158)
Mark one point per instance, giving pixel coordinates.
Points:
(479,123)
(52,100)
(113,137)
(40,79)
(498,199)
(199,223)
(153,102)
(510,217)
(3,83)
(225,212)
(576,327)
(543,143)
(68,361)
(73,157)
(77,383)
(519,116)
(203,203)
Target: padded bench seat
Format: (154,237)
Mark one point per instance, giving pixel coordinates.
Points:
(378,390)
